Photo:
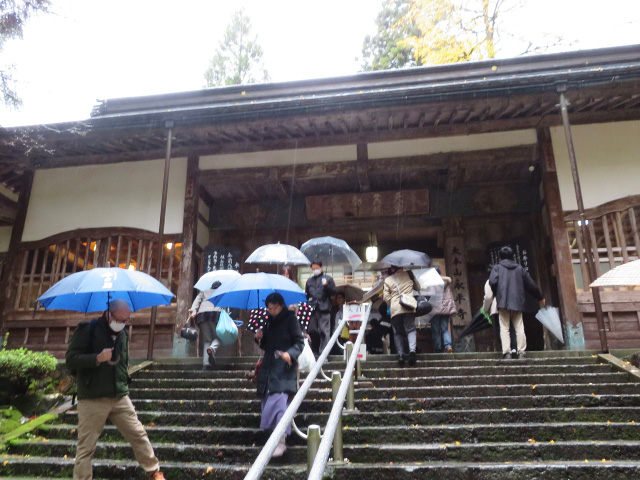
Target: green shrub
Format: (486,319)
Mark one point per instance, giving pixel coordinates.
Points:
(20,367)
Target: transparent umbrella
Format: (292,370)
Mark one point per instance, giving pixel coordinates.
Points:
(278,254)
(626,275)
(331,251)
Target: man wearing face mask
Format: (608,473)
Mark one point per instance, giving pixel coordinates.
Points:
(319,289)
(99,352)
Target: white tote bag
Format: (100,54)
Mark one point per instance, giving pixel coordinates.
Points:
(306,360)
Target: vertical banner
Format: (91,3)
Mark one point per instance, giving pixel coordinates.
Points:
(456,262)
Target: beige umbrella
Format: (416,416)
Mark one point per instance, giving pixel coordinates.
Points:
(626,275)
(351,293)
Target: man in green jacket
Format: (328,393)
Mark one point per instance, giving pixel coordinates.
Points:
(99,352)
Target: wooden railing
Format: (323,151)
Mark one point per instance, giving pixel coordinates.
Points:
(613,231)
(43,263)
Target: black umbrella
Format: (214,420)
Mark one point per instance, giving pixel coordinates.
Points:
(407,259)
(480,321)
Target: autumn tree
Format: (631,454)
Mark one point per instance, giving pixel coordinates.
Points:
(238,58)
(446,31)
(13,15)
(387,48)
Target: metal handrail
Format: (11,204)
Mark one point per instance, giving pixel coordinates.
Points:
(322,455)
(266,453)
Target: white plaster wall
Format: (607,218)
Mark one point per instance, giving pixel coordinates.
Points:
(463,143)
(5,238)
(608,158)
(115,195)
(279,157)
(379,150)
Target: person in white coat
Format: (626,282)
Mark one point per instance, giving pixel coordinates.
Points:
(207,315)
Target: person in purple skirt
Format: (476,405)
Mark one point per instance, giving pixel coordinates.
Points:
(282,341)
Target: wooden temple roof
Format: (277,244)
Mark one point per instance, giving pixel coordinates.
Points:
(456,99)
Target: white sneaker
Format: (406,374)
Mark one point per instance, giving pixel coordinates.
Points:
(280,448)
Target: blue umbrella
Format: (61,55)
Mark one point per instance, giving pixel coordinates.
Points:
(251,289)
(92,290)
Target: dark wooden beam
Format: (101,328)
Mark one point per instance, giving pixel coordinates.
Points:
(560,245)
(13,257)
(362,167)
(189,226)
(453,177)
(277,186)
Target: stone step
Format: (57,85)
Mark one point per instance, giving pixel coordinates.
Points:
(211,434)
(388,434)
(380,419)
(498,390)
(398,382)
(215,394)
(482,433)
(400,403)
(31,467)
(561,470)
(235,363)
(509,379)
(222,406)
(361,453)
(34,467)
(390,392)
(420,370)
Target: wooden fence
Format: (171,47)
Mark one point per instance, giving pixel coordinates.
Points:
(41,264)
(613,231)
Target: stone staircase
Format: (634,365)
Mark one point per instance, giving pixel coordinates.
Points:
(557,415)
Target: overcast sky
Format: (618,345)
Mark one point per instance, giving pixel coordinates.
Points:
(96,49)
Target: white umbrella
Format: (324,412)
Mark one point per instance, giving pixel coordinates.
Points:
(626,275)
(222,276)
(548,316)
(278,253)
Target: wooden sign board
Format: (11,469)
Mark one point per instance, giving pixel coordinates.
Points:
(367,205)
(220,258)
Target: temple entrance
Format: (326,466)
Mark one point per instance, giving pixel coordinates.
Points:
(455,210)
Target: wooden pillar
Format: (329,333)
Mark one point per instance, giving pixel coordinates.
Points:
(456,264)
(189,225)
(562,268)
(6,286)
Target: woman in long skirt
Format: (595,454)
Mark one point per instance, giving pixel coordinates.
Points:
(282,342)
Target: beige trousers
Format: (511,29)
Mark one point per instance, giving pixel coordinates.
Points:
(92,415)
(507,316)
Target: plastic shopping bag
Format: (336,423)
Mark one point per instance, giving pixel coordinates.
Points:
(226,331)
(306,360)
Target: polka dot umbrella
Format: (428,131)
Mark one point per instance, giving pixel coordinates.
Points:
(258,317)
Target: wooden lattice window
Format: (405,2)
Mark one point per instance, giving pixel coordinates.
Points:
(44,263)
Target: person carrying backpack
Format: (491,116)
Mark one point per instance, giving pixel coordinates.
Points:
(99,353)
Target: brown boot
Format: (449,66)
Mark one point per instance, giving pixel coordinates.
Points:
(281,447)
(156,476)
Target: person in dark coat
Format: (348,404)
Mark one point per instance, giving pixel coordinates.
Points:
(319,289)
(282,342)
(379,329)
(99,352)
(510,283)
